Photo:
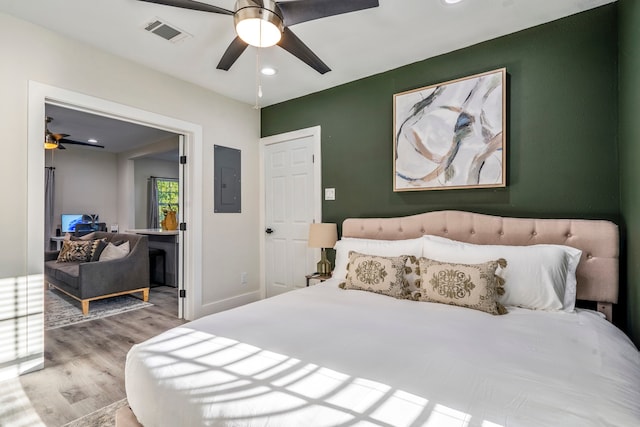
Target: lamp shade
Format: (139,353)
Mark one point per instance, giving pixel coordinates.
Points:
(323,235)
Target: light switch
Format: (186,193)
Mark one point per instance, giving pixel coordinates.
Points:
(329,193)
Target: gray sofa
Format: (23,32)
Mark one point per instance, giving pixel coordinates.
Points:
(89,281)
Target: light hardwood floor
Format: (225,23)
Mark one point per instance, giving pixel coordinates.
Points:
(84,363)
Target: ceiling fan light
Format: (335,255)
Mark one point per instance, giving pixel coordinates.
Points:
(50,143)
(258,26)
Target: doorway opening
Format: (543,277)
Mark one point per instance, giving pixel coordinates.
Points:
(91,154)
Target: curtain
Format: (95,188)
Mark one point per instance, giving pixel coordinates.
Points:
(153,219)
(49,195)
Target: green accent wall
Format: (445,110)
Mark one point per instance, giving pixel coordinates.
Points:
(629,133)
(561,126)
(562,130)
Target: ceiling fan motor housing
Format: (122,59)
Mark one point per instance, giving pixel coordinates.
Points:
(248,10)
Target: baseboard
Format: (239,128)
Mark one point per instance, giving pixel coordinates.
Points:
(226,304)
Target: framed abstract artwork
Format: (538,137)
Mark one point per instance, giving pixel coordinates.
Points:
(451,135)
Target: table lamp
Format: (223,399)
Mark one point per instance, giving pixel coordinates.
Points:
(323,235)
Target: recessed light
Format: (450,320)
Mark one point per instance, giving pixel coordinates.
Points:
(452,1)
(92,140)
(269,71)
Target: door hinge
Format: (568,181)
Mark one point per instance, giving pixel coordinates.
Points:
(313,158)
(183,293)
(183,160)
(183,226)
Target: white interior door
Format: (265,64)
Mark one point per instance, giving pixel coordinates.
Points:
(292,198)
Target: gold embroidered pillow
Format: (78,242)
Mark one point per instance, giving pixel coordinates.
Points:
(473,286)
(75,250)
(382,275)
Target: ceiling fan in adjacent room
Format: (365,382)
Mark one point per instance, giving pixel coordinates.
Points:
(264,23)
(55,140)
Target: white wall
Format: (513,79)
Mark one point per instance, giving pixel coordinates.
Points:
(86,183)
(230,241)
(145,168)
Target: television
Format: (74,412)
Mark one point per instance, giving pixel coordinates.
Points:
(69,221)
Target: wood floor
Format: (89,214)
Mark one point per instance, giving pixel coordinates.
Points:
(84,363)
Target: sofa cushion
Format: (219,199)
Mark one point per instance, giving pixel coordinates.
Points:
(67,272)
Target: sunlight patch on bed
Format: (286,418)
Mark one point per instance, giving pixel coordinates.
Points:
(244,382)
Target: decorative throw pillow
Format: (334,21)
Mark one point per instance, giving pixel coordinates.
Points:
(97,246)
(382,275)
(74,250)
(114,252)
(473,286)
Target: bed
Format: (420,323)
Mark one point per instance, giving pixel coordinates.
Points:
(326,356)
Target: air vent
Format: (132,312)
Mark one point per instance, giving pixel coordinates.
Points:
(166,31)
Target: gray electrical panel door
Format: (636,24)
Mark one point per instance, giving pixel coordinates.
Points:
(226,181)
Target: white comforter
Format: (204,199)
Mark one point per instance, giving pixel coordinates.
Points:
(323,356)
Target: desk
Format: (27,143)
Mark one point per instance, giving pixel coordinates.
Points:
(58,240)
(167,240)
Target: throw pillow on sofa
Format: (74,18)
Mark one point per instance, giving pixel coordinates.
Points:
(74,250)
(114,252)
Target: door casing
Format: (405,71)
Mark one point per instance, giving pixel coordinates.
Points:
(40,93)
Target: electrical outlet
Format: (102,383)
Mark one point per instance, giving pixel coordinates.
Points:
(243,278)
(329,193)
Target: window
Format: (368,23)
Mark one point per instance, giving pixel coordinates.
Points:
(167,194)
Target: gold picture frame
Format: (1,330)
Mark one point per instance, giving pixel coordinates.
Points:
(451,135)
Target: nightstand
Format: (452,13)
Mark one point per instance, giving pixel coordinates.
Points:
(317,276)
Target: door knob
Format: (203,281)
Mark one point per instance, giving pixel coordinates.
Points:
(269,230)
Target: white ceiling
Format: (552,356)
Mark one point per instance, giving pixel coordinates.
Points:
(115,135)
(353,45)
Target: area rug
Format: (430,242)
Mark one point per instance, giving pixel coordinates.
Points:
(61,310)
(104,417)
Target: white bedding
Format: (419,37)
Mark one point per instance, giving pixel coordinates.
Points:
(323,356)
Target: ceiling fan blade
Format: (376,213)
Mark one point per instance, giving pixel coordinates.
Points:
(297,11)
(61,147)
(193,5)
(232,53)
(292,44)
(58,136)
(71,142)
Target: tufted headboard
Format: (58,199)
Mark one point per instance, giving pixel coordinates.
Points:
(597,272)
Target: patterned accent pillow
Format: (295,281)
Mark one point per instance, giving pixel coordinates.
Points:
(382,275)
(473,286)
(74,250)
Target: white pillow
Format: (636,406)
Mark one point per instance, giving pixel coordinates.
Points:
(541,277)
(387,248)
(114,252)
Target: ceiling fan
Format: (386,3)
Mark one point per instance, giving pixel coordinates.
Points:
(264,23)
(55,140)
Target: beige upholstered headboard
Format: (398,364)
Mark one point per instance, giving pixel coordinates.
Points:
(597,272)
